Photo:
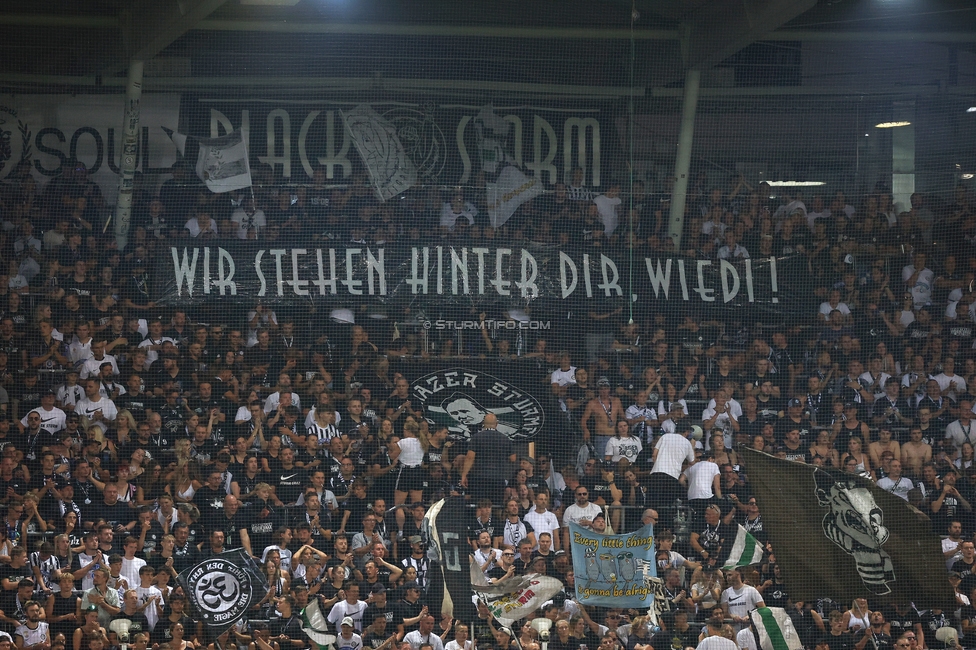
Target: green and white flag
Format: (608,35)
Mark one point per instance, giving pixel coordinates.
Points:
(775,629)
(746,550)
(315,625)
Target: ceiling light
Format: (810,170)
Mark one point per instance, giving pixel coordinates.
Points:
(971,109)
(795,183)
(967,177)
(891,125)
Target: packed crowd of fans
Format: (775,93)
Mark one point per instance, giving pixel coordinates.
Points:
(138,437)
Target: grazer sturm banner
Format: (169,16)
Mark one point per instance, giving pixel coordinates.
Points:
(613,570)
(460,398)
(470,275)
(222,588)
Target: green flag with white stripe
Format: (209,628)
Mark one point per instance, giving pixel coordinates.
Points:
(775,629)
(746,550)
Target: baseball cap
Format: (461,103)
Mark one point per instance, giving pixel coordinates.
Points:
(603,381)
(795,402)
(412,585)
(348,621)
(416,539)
(850,405)
(378,588)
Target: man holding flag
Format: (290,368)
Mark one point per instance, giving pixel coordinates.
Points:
(739,599)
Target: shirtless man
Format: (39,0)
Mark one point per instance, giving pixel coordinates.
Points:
(915,453)
(605,410)
(883,444)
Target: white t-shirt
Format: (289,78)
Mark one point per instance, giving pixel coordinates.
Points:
(573,514)
(607,208)
(33,637)
(449,217)
(145,593)
(667,425)
(542,523)
(51,421)
(825,309)
(193,225)
(416,639)
(899,489)
(91,367)
(628,448)
(717,643)
(700,479)
(741,601)
(245,222)
(746,640)
(672,450)
(922,291)
(87,408)
(343,609)
(562,377)
(355,642)
(271,403)
(944,381)
(130,570)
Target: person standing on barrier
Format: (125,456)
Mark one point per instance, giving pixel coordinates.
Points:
(670,453)
(490,457)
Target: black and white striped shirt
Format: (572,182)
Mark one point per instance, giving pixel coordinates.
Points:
(324,434)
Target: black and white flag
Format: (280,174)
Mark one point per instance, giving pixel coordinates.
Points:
(378,143)
(221,162)
(222,588)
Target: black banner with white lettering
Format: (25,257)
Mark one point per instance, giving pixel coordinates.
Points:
(446,143)
(222,588)
(510,274)
(460,398)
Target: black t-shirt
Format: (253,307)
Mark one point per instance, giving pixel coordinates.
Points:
(931,622)
(492,450)
(119,514)
(389,612)
(901,623)
(844,641)
(12,574)
(288,483)
(404,610)
(880,641)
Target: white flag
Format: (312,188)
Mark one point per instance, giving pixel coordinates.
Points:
(222,163)
(378,144)
(745,551)
(511,607)
(775,628)
(505,195)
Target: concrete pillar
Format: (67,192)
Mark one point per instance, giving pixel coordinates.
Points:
(130,149)
(682,163)
(903,155)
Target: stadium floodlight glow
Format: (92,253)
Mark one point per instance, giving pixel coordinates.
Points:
(971,109)
(795,183)
(891,125)
(967,177)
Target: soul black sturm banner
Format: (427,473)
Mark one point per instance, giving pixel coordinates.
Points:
(473,276)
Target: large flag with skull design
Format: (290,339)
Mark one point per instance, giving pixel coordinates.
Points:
(840,536)
(222,588)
